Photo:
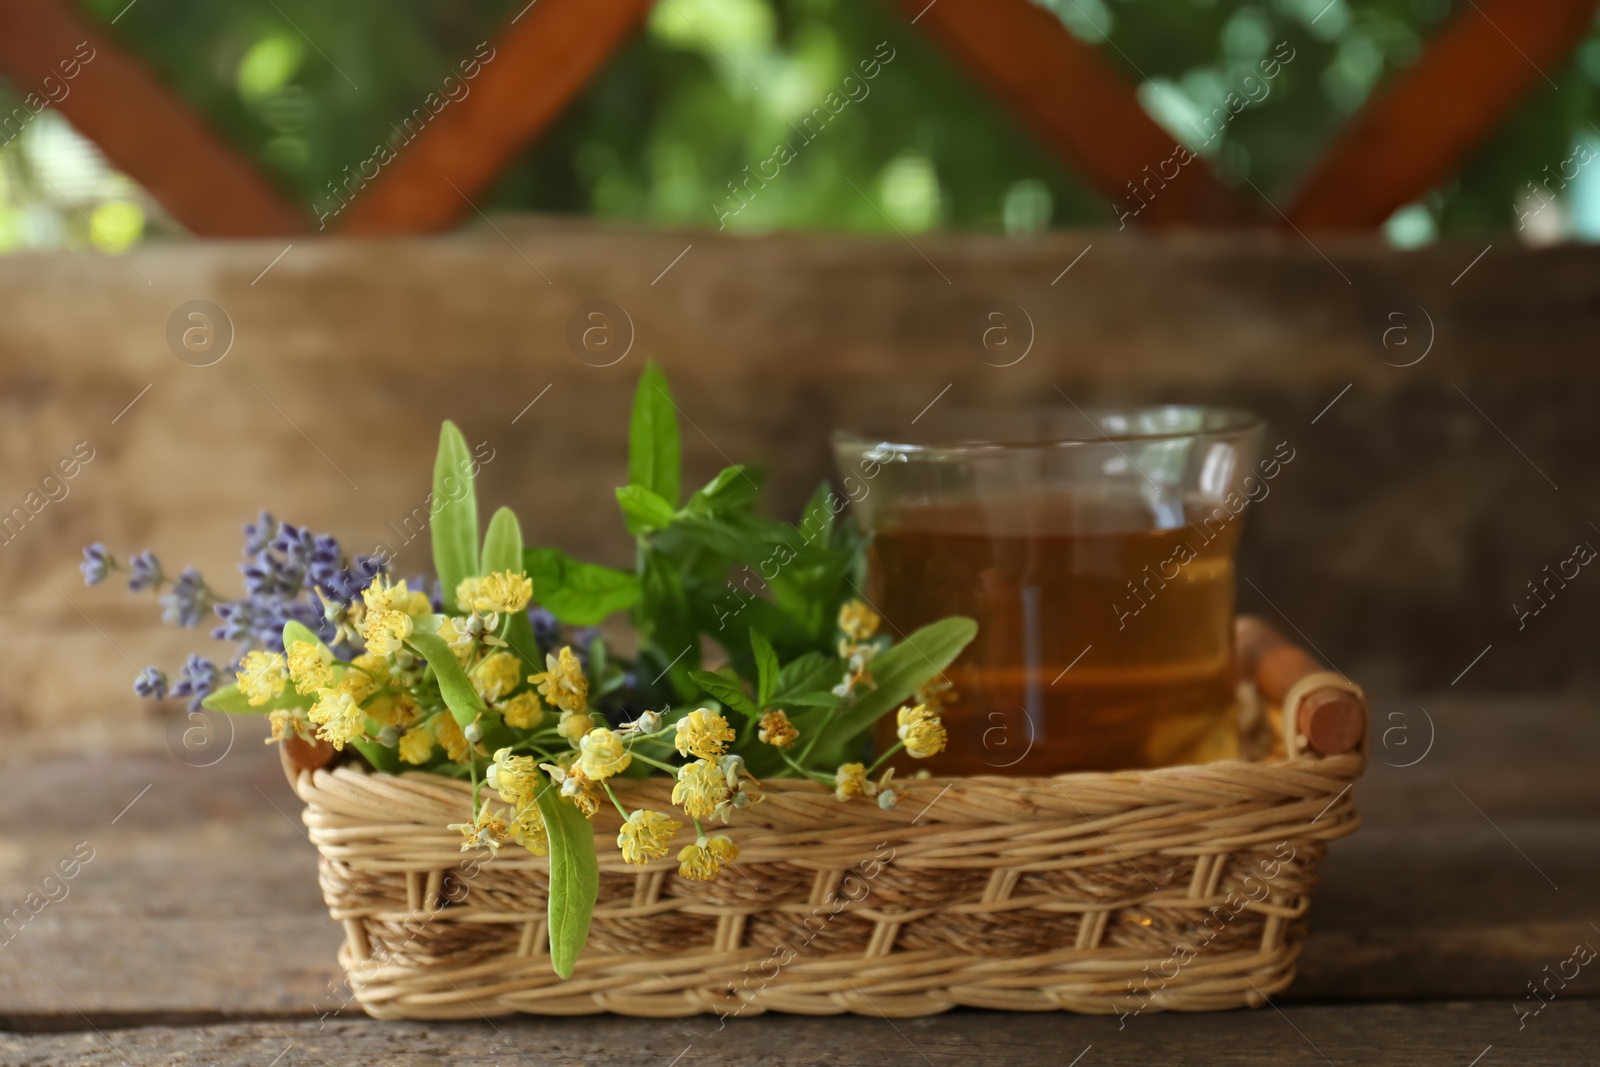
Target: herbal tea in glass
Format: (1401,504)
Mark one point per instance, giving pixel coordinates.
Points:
(1095,550)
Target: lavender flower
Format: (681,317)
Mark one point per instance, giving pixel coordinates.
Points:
(546,628)
(96,564)
(197,680)
(144,571)
(151,682)
(186,603)
(258,534)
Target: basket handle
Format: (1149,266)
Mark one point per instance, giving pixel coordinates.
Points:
(1327,711)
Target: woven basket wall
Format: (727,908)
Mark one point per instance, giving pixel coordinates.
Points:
(1184,888)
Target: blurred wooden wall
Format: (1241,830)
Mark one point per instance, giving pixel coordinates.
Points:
(1419,506)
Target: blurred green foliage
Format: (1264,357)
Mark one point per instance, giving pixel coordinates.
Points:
(711,87)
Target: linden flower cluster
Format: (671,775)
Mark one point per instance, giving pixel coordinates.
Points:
(542,731)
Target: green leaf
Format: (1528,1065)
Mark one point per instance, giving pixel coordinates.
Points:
(228,699)
(816,519)
(818,698)
(643,509)
(726,689)
(454,685)
(454,507)
(897,673)
(733,489)
(502,543)
(574,879)
(664,622)
(579,594)
(653,445)
(810,672)
(296,633)
(766,667)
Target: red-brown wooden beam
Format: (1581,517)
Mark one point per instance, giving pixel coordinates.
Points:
(544,58)
(1436,113)
(144,129)
(1085,111)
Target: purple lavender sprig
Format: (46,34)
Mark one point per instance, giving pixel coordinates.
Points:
(289,574)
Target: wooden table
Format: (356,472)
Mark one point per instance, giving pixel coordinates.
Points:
(195,932)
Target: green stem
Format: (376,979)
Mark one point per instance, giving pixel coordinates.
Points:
(620,809)
(892,749)
(815,776)
(642,758)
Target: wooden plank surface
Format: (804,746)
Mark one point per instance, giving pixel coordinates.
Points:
(200,901)
(1422,1035)
(1084,111)
(1418,131)
(144,128)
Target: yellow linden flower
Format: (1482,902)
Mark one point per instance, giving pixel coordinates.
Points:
(261,677)
(523,711)
(851,780)
(287,723)
(722,849)
(375,666)
(339,715)
(701,786)
(383,596)
(386,630)
(467,592)
(776,729)
(454,633)
(936,694)
(646,836)
(703,733)
(497,675)
(488,831)
(500,592)
(310,666)
(603,754)
(573,725)
(574,785)
(857,620)
(702,860)
(450,736)
(528,830)
(562,682)
(416,745)
(922,732)
(515,778)
(358,684)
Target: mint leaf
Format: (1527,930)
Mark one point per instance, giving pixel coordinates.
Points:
(502,543)
(574,879)
(454,507)
(579,594)
(733,489)
(810,672)
(766,667)
(644,509)
(653,445)
(726,689)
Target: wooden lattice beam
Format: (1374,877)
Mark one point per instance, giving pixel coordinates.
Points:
(1436,113)
(144,129)
(544,58)
(1085,111)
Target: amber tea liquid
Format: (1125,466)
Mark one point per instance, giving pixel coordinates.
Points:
(1105,633)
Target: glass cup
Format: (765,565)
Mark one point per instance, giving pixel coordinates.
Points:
(1095,549)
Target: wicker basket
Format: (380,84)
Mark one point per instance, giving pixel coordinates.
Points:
(1184,888)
